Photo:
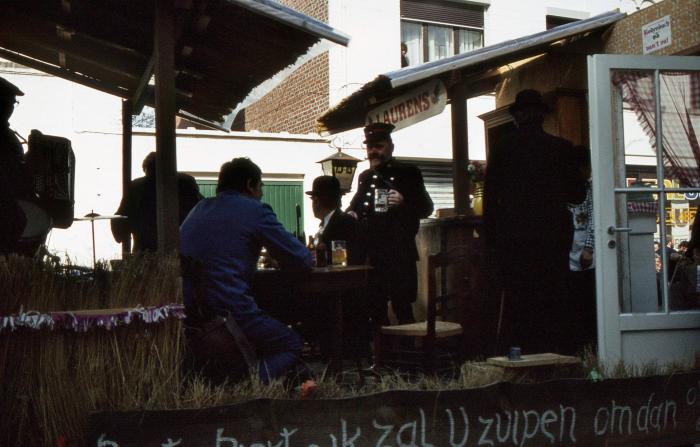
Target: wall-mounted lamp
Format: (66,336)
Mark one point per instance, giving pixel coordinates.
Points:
(341,166)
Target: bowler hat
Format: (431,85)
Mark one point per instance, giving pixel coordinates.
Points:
(7,88)
(325,186)
(528,98)
(378,131)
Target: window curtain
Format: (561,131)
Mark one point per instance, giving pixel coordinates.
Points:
(680,118)
(412,36)
(440,42)
(469,40)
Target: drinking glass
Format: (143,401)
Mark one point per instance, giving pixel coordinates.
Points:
(339,253)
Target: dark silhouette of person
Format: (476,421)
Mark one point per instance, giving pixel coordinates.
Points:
(14,182)
(139,206)
(404,55)
(580,303)
(530,180)
(390,201)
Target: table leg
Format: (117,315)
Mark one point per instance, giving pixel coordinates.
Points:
(336,363)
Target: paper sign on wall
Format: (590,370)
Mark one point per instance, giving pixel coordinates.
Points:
(656,35)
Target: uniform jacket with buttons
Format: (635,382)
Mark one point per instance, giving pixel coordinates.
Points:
(392,235)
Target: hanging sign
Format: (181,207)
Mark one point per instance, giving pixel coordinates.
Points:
(412,107)
(656,34)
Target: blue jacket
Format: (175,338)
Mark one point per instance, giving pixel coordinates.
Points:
(227,233)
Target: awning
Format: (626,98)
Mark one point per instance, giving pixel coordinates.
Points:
(351,112)
(224,48)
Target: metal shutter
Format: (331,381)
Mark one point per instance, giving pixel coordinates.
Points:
(437,176)
(443,11)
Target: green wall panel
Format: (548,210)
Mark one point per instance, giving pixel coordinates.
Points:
(280,195)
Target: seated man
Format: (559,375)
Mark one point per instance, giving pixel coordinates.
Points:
(338,225)
(139,206)
(335,224)
(226,233)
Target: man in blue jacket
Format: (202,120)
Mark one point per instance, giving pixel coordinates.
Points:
(226,233)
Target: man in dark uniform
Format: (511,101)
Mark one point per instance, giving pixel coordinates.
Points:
(390,201)
(13,179)
(530,178)
(139,205)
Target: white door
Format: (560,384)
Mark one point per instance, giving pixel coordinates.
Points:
(645,313)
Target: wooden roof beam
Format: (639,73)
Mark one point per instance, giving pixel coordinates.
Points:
(65,74)
(138,99)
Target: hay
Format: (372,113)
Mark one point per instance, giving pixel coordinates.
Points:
(52,380)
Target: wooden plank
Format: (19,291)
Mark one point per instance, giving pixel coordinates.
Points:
(531,360)
(460,148)
(166,162)
(127,113)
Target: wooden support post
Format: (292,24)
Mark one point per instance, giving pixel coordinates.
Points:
(166,161)
(127,109)
(460,148)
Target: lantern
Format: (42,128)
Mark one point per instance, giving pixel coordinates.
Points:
(341,166)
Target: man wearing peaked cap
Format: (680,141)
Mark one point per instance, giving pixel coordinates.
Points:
(389,202)
(13,181)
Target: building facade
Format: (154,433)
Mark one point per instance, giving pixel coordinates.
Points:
(278,131)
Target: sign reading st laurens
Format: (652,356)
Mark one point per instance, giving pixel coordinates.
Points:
(412,107)
(642,412)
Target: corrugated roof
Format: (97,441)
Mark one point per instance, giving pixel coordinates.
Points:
(224,48)
(350,112)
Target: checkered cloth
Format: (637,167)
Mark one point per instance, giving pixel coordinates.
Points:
(680,117)
(643,207)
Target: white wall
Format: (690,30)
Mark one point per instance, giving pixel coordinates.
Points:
(92,121)
(510,19)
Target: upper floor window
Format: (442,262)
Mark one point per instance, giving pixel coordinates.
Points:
(554,21)
(436,29)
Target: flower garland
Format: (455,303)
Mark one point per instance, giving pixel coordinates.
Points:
(84,320)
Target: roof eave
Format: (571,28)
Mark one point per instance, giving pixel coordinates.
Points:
(406,76)
(290,17)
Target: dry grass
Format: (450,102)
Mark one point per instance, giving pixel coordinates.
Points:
(51,380)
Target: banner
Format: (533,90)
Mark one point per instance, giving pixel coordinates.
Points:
(660,410)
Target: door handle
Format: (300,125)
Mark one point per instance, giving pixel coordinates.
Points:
(613,229)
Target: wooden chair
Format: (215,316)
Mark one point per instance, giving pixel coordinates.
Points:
(216,345)
(436,344)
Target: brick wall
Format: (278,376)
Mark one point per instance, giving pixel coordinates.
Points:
(295,103)
(626,35)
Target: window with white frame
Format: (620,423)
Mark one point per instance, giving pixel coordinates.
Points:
(436,29)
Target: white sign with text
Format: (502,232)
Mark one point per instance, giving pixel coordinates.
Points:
(656,35)
(412,107)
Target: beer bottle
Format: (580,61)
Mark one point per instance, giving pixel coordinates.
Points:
(312,248)
(321,254)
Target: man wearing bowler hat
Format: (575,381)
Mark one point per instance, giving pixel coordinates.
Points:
(389,202)
(14,182)
(335,224)
(530,179)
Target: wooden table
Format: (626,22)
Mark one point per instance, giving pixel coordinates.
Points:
(277,292)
